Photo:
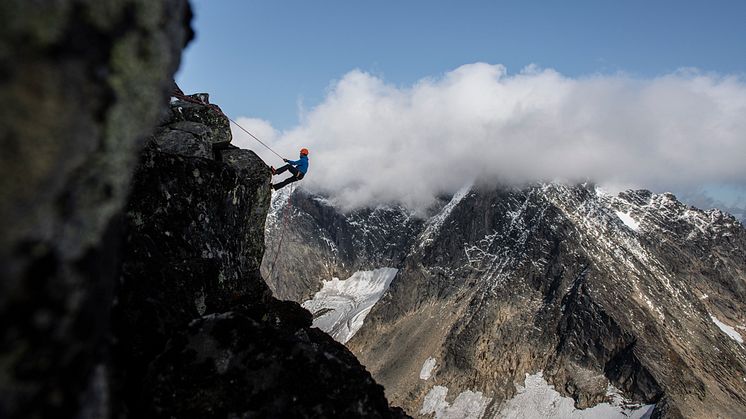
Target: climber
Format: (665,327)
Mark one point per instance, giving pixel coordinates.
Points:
(297,167)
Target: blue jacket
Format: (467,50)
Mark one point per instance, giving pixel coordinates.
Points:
(301,164)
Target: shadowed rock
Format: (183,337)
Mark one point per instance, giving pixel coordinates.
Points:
(82,83)
(198,332)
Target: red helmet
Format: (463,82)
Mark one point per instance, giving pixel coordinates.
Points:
(304,151)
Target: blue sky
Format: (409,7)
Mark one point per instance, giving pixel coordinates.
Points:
(262,58)
(348,78)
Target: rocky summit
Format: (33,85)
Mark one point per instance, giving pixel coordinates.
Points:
(548,300)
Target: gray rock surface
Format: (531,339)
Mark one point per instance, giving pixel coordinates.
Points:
(185,143)
(323,243)
(205,122)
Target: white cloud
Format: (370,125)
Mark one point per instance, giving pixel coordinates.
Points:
(375,142)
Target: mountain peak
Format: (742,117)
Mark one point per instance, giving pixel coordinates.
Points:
(591,289)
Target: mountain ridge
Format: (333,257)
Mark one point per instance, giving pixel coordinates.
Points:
(633,269)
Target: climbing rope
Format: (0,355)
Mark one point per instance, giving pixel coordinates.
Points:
(177,93)
(282,232)
(254,137)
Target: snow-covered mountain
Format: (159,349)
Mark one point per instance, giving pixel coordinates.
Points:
(635,293)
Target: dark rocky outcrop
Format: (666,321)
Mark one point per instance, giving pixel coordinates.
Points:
(194,130)
(198,332)
(257,363)
(132,288)
(82,82)
(191,246)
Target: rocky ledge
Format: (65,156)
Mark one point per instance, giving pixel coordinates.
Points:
(197,331)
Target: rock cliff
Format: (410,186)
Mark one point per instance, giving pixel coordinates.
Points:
(132,234)
(198,332)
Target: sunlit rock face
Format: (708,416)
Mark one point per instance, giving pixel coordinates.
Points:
(635,291)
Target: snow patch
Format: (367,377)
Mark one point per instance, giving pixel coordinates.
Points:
(427,368)
(628,220)
(277,205)
(343,304)
(468,405)
(731,332)
(435,223)
(602,192)
(539,400)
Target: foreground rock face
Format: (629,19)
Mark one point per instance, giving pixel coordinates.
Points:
(198,332)
(255,363)
(637,291)
(82,83)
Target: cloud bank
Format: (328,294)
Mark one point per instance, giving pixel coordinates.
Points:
(372,142)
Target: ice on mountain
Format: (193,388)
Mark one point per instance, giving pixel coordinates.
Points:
(731,332)
(427,368)
(277,205)
(467,405)
(536,399)
(436,222)
(628,220)
(601,192)
(345,303)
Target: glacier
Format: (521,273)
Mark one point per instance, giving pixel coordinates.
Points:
(537,399)
(340,307)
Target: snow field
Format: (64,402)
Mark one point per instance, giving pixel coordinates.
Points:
(731,332)
(427,368)
(628,220)
(347,302)
(467,405)
(536,399)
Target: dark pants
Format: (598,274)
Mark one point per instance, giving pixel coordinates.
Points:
(297,175)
